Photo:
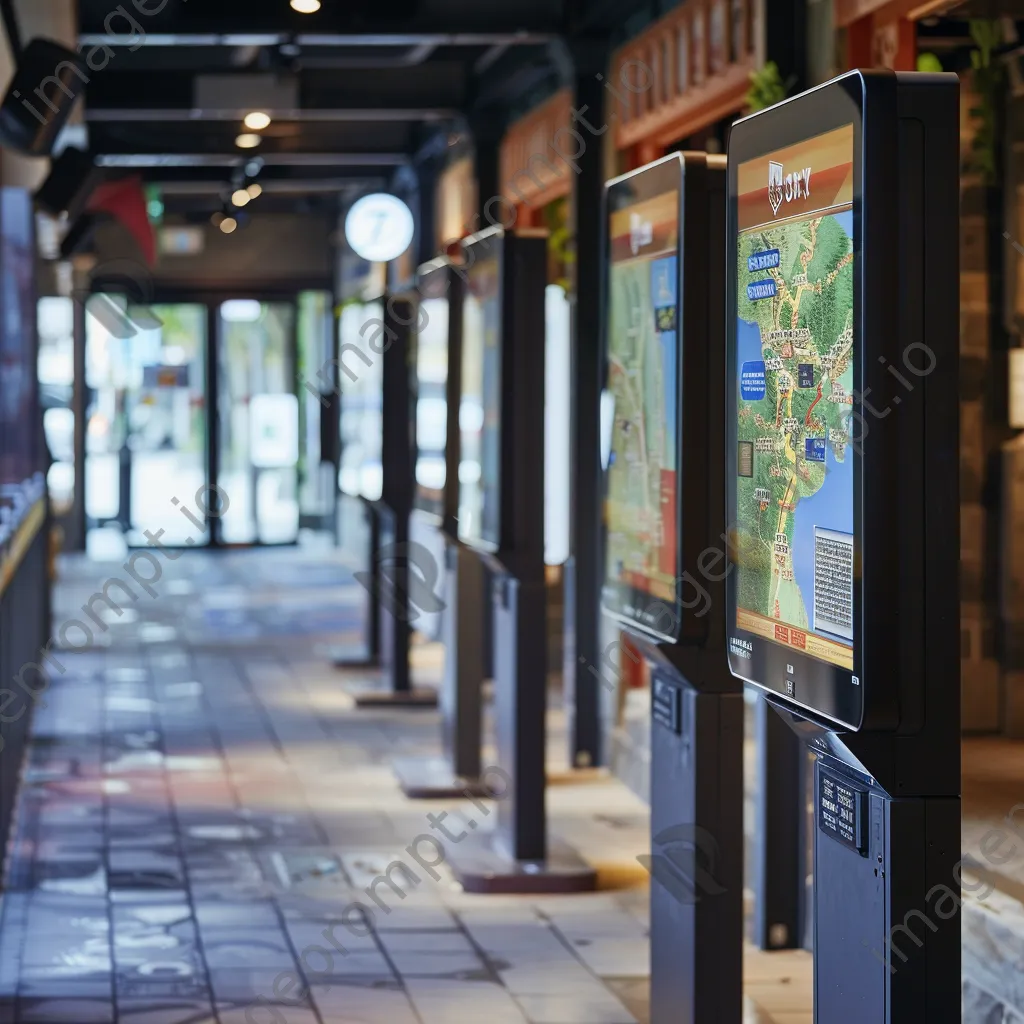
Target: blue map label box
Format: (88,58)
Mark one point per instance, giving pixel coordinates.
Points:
(805,373)
(761,289)
(814,449)
(752,387)
(766,260)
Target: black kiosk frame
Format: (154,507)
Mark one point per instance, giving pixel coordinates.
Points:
(503,522)
(667,220)
(457,772)
(389,338)
(879,697)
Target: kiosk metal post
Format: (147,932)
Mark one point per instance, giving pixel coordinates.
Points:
(501,516)
(383,460)
(843,482)
(663,433)
(457,771)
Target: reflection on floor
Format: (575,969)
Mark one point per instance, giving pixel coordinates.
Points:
(208,832)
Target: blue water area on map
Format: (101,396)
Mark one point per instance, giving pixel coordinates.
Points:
(664,278)
(752,383)
(748,342)
(831,506)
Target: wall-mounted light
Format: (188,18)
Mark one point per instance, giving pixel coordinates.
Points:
(256,121)
(306,6)
(247,140)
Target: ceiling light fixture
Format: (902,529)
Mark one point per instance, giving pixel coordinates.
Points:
(247,141)
(306,6)
(240,197)
(256,121)
(255,190)
(228,224)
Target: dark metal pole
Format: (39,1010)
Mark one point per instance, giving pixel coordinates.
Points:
(583,569)
(779,852)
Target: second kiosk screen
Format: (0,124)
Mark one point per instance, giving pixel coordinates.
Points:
(642,546)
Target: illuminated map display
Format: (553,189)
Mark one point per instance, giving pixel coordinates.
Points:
(431,405)
(362,342)
(794,514)
(642,388)
(480,406)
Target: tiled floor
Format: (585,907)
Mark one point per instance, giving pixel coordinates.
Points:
(206,821)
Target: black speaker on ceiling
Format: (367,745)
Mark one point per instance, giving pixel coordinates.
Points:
(71,180)
(47,81)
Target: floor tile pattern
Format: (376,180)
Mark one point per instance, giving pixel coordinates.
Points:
(209,833)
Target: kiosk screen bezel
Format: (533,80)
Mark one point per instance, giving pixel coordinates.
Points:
(804,682)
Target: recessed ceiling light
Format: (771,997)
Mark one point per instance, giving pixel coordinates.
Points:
(257,120)
(240,197)
(247,141)
(306,6)
(228,224)
(255,190)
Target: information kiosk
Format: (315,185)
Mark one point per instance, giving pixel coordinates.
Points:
(377,470)
(466,605)
(663,433)
(501,517)
(843,489)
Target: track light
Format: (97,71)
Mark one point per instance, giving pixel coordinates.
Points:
(256,121)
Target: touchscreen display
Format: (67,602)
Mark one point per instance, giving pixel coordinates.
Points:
(480,406)
(641,400)
(431,404)
(794,512)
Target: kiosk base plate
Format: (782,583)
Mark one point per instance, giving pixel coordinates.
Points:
(480,866)
(381,696)
(432,778)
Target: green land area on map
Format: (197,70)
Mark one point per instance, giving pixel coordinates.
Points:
(806,339)
(642,440)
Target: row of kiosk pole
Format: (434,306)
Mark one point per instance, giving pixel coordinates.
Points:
(779,474)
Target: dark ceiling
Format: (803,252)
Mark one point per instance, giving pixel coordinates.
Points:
(356,90)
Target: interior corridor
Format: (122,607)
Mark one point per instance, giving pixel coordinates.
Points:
(205,824)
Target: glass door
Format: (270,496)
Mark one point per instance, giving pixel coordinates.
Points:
(258,423)
(146,454)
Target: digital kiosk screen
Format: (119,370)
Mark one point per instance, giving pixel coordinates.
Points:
(351,383)
(374,342)
(431,405)
(642,395)
(361,381)
(794,537)
(480,404)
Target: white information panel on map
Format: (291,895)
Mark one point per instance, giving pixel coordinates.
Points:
(833,582)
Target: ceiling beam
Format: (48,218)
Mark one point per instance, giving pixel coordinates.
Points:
(350,115)
(145,160)
(405,39)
